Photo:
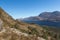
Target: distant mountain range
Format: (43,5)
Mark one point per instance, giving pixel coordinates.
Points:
(45,18)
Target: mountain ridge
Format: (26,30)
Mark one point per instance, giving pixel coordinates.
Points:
(45,18)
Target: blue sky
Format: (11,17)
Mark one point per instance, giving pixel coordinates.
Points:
(26,8)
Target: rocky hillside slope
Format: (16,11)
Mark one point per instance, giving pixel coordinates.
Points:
(11,29)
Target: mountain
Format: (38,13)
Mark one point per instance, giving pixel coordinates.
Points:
(11,29)
(51,16)
(45,18)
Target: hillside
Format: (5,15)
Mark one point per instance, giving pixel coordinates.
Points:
(11,29)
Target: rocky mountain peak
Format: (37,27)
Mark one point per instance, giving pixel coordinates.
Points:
(56,12)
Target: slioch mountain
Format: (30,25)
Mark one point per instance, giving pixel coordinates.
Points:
(45,18)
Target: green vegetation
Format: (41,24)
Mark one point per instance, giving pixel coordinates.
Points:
(32,30)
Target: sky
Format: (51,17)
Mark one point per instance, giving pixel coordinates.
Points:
(26,8)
